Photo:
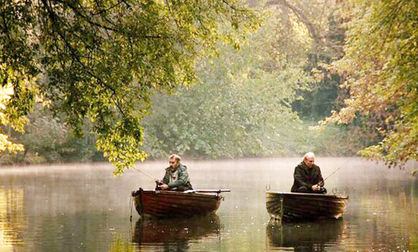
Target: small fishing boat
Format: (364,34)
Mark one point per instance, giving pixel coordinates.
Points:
(174,204)
(287,207)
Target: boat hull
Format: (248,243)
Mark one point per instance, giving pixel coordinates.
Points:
(304,206)
(172,204)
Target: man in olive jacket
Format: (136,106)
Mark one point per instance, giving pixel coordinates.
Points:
(308,177)
(176,177)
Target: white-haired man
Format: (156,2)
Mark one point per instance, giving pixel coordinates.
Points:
(308,177)
(176,177)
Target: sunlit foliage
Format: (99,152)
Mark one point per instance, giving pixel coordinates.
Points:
(312,34)
(380,68)
(102,60)
(242,105)
(14,121)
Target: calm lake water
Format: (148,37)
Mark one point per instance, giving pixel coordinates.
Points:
(83,207)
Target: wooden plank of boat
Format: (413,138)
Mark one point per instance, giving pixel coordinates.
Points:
(173,204)
(287,206)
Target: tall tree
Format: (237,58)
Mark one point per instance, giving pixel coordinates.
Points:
(102,60)
(317,19)
(242,105)
(380,69)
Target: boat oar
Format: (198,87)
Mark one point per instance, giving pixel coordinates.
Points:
(211,190)
(217,191)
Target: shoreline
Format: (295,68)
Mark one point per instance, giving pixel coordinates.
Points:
(201,163)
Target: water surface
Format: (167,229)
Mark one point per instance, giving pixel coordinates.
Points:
(83,207)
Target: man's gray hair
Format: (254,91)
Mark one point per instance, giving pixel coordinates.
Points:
(176,157)
(309,155)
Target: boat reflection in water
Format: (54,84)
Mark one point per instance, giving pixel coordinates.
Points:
(175,234)
(305,236)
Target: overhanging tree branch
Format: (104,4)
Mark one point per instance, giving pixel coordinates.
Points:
(301,16)
(76,56)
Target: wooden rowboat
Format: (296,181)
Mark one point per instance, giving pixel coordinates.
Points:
(287,207)
(173,204)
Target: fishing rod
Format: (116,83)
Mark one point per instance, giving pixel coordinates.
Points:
(144,173)
(332,173)
(158,182)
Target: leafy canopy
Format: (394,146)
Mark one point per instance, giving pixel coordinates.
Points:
(102,61)
(380,67)
(242,105)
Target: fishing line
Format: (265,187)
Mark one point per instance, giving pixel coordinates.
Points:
(130,206)
(130,217)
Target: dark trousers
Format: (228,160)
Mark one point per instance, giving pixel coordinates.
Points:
(179,188)
(305,189)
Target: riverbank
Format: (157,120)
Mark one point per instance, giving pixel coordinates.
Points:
(324,162)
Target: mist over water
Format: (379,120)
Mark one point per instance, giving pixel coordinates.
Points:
(83,207)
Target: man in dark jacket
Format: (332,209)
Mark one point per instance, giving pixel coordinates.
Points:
(176,177)
(308,177)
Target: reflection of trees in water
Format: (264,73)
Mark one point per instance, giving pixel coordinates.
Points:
(306,236)
(12,219)
(174,234)
(388,218)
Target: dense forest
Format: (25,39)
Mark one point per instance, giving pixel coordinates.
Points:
(129,80)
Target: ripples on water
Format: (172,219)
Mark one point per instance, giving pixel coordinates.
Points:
(85,208)
(176,234)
